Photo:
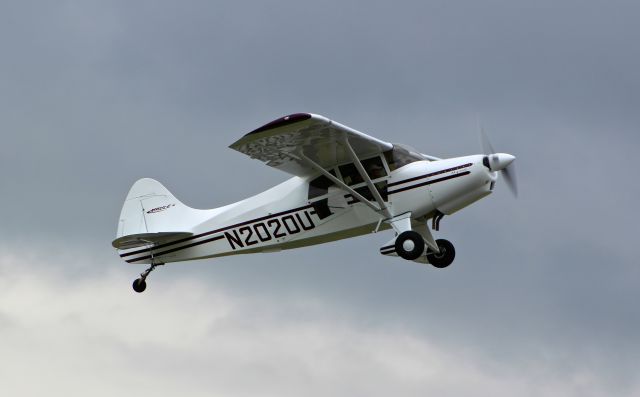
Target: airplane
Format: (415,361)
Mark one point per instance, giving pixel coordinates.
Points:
(345,184)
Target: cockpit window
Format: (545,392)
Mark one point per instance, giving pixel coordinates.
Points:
(374,167)
(350,174)
(399,157)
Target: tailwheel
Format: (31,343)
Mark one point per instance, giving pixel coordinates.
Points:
(443,258)
(140,284)
(409,245)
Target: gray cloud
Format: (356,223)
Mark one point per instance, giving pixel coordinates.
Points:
(200,337)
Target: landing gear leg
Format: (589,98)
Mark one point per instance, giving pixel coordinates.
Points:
(140,284)
(411,241)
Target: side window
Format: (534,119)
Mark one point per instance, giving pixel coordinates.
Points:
(374,167)
(350,174)
(320,186)
(366,193)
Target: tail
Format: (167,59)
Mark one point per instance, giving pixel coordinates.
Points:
(151,215)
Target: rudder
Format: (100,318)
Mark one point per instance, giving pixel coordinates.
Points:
(150,209)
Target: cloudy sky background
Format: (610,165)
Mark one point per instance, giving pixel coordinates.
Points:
(542,298)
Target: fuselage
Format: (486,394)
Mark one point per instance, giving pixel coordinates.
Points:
(306,211)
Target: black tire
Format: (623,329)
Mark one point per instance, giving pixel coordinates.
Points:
(418,245)
(139,285)
(445,257)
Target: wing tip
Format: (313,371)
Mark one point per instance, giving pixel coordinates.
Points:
(282,121)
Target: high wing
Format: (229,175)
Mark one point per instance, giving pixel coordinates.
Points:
(283,143)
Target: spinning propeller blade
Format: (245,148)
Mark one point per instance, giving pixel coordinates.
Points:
(500,162)
(486,145)
(509,174)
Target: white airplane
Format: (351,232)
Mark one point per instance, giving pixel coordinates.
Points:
(345,184)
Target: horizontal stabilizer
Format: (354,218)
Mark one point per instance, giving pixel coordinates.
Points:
(147,239)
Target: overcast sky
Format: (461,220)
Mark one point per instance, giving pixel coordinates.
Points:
(541,300)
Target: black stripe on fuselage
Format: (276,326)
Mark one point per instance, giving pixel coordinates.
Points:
(177,248)
(415,178)
(206,234)
(353,200)
(444,178)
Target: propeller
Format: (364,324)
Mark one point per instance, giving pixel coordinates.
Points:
(500,162)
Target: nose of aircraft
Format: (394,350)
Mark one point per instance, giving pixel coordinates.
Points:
(499,161)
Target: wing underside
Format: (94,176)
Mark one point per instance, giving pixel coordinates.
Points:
(281,143)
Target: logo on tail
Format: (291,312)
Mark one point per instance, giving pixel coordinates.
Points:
(160,209)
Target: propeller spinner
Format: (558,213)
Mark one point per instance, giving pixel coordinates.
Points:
(499,162)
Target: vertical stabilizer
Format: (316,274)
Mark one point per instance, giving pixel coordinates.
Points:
(150,208)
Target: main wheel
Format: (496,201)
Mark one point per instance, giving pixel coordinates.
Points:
(139,285)
(445,257)
(409,245)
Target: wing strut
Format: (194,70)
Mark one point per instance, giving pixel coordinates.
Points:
(366,178)
(335,180)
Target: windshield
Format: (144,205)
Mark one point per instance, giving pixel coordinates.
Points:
(401,155)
